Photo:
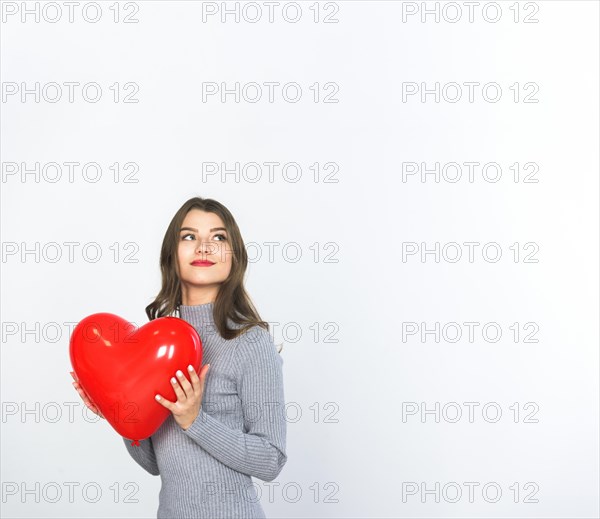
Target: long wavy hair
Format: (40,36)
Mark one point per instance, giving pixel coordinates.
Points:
(232,301)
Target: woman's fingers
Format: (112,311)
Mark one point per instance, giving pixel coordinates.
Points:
(198,381)
(97,411)
(81,391)
(178,391)
(181,385)
(83,395)
(93,408)
(164,402)
(194,378)
(185,384)
(78,388)
(203,374)
(202,380)
(86,400)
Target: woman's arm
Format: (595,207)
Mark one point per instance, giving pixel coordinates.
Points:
(143,455)
(259,452)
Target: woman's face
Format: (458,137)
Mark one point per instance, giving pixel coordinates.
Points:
(204,254)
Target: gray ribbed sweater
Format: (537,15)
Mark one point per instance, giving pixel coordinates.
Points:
(240,431)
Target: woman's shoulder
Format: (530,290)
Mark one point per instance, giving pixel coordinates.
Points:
(256,334)
(248,330)
(256,341)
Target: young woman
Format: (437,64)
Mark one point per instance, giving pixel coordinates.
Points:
(228,423)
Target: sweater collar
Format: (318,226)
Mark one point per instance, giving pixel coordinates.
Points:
(200,315)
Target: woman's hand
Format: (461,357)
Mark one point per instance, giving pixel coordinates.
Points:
(189,396)
(84,396)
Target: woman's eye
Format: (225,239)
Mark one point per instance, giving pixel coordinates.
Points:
(221,236)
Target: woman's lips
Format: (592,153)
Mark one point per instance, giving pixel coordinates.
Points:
(202,263)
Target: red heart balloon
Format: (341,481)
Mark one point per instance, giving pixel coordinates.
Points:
(122,367)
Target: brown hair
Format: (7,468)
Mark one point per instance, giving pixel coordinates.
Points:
(232,300)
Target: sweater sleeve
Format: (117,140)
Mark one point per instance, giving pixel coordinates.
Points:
(258,450)
(144,455)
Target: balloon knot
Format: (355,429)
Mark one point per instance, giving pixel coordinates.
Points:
(135,443)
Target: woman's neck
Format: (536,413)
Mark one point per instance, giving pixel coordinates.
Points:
(198,296)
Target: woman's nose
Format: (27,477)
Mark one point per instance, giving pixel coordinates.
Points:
(205,248)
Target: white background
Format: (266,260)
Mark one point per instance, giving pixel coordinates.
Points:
(353,457)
